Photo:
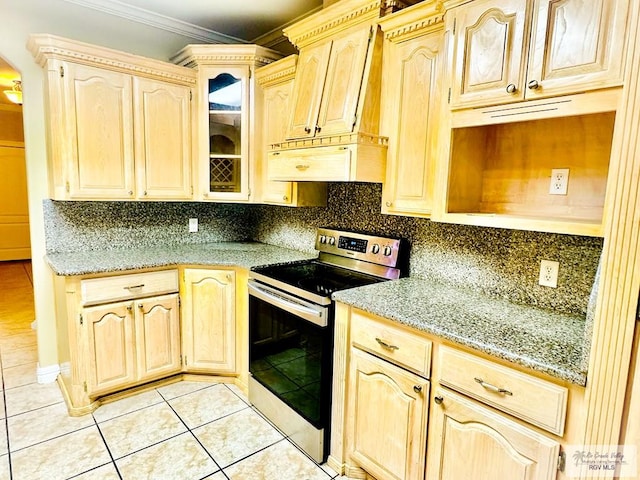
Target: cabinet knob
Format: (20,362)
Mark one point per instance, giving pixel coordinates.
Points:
(438,400)
(130,192)
(307,129)
(285,198)
(533,84)
(145,193)
(318,128)
(417,388)
(511,88)
(140,306)
(388,204)
(129,308)
(228,277)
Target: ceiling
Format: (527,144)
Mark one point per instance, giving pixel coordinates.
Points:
(204,21)
(218,21)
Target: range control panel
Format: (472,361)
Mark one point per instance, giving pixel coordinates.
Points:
(368,248)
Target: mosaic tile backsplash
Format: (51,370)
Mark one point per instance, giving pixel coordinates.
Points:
(498,262)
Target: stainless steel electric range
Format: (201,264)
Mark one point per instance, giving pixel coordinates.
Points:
(291,329)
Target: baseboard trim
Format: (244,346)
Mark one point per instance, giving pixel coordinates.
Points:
(47,374)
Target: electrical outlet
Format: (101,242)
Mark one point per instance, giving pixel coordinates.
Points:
(559,181)
(548,273)
(193,225)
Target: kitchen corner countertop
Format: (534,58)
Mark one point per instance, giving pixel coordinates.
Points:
(239,254)
(539,339)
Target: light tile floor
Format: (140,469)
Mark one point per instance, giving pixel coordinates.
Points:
(186,430)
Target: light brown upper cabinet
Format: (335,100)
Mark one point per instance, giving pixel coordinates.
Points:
(333,124)
(227,119)
(276,82)
(512,50)
(413,60)
(327,86)
(119,125)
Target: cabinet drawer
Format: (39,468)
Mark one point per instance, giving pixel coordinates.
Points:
(311,164)
(536,401)
(122,287)
(392,343)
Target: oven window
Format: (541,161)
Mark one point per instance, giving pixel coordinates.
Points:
(292,358)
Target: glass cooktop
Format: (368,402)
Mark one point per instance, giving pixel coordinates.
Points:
(317,277)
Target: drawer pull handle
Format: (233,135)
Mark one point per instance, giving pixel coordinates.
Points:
(438,400)
(133,287)
(492,388)
(417,388)
(386,345)
(302,167)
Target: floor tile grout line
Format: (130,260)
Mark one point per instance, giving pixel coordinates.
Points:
(104,440)
(197,439)
(31,410)
(6,420)
(50,439)
(126,413)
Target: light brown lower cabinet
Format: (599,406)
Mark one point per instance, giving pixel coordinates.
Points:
(469,441)
(389,408)
(208,320)
(131,342)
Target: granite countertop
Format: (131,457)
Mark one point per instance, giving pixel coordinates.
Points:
(241,254)
(539,339)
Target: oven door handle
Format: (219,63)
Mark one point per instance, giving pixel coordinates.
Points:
(314,313)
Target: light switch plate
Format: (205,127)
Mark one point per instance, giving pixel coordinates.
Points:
(193,225)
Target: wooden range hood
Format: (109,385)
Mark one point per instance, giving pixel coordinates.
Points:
(335,105)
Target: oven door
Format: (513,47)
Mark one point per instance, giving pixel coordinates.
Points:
(291,351)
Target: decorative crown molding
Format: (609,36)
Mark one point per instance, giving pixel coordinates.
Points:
(277,72)
(194,55)
(339,16)
(413,21)
(47,47)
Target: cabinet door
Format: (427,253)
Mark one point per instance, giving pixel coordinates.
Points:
(111,346)
(342,85)
(157,327)
(490,52)
(225,142)
(388,406)
(163,140)
(277,99)
(471,441)
(98,154)
(307,91)
(208,320)
(412,102)
(576,48)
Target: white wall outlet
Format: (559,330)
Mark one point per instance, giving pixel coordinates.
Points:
(559,181)
(548,273)
(193,225)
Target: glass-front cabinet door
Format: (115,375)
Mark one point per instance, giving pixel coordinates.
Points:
(225,170)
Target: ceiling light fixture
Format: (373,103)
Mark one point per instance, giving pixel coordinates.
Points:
(15,94)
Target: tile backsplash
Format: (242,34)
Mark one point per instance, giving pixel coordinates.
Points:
(499,262)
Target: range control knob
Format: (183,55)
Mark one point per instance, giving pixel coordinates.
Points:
(332,241)
(375,248)
(387,251)
(323,239)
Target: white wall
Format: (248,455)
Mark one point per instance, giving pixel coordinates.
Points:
(20,19)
